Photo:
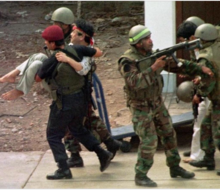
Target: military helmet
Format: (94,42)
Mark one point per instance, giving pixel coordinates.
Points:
(185,91)
(206,32)
(137,33)
(63,15)
(196,20)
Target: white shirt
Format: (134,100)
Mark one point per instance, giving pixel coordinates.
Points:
(85,64)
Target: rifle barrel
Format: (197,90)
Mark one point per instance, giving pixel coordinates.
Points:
(187,45)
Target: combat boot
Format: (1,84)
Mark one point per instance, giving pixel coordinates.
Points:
(179,171)
(218,172)
(208,161)
(75,160)
(104,157)
(60,174)
(143,180)
(112,146)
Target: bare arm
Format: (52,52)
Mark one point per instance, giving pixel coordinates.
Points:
(98,52)
(62,57)
(81,67)
(159,63)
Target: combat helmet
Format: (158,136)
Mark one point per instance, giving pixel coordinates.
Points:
(137,33)
(206,32)
(196,20)
(63,15)
(185,91)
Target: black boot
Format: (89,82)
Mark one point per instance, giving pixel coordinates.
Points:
(141,180)
(104,157)
(112,146)
(218,172)
(62,173)
(179,171)
(75,160)
(208,161)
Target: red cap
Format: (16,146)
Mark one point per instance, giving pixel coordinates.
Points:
(53,33)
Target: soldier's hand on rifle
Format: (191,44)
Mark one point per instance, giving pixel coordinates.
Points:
(62,57)
(159,63)
(170,61)
(207,70)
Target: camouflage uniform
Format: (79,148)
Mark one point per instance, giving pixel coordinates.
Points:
(204,89)
(211,53)
(205,139)
(209,87)
(210,128)
(150,117)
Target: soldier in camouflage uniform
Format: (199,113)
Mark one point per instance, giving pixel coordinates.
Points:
(210,129)
(67,110)
(143,87)
(186,31)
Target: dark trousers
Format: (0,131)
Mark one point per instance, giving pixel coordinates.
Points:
(70,116)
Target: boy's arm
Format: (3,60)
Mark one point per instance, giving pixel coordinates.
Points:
(98,52)
(62,57)
(83,67)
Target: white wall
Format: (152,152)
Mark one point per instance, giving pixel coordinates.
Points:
(160,18)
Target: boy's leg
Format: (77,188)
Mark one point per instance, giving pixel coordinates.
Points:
(10,77)
(28,71)
(19,70)
(12,94)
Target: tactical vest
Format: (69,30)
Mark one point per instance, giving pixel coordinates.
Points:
(65,80)
(212,54)
(155,82)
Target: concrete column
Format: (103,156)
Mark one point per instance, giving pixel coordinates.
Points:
(160,18)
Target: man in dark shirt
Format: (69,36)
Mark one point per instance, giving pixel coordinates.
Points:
(68,106)
(82,34)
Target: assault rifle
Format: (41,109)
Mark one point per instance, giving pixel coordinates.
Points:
(187,45)
(88,90)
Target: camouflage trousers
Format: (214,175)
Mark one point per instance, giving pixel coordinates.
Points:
(149,123)
(98,129)
(210,129)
